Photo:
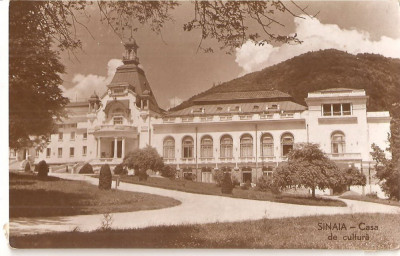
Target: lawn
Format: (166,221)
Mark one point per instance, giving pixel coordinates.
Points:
(212,189)
(372,200)
(31,197)
(301,232)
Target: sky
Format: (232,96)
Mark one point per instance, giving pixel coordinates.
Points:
(176,70)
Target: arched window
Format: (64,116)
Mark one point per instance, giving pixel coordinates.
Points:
(246,146)
(187,147)
(267,145)
(338,141)
(226,147)
(169,148)
(287,142)
(206,147)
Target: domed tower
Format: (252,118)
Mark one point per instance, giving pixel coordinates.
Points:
(94,102)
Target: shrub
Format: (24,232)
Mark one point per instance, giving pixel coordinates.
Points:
(266,183)
(105,178)
(86,169)
(144,159)
(235,181)
(246,185)
(142,174)
(218,176)
(120,170)
(206,169)
(188,176)
(42,169)
(168,172)
(27,167)
(226,184)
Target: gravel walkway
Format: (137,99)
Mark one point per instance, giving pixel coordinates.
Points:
(195,208)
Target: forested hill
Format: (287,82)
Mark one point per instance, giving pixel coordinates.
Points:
(378,75)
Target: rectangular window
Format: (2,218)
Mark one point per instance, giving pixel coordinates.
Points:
(85,135)
(72,135)
(37,153)
(84,150)
(71,152)
(59,152)
(268,149)
(326,108)
(118,120)
(48,152)
(336,109)
(60,136)
(188,152)
(346,109)
(206,151)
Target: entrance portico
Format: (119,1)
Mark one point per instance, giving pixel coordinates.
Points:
(115,147)
(113,142)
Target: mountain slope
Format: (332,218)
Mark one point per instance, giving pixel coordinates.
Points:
(379,76)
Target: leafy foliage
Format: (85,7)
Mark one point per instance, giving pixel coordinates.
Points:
(120,170)
(354,177)
(35,98)
(144,159)
(42,169)
(218,175)
(168,172)
(387,171)
(27,167)
(105,178)
(86,169)
(228,22)
(309,167)
(266,183)
(226,184)
(142,174)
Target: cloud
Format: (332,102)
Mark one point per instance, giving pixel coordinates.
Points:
(85,85)
(174,101)
(315,36)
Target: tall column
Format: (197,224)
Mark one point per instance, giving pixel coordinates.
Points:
(115,147)
(26,154)
(123,148)
(99,147)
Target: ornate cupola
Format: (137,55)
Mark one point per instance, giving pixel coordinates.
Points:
(130,55)
(94,102)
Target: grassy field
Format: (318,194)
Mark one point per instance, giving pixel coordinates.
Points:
(31,197)
(212,189)
(372,200)
(302,232)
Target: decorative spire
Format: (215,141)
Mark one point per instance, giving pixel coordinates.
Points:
(130,56)
(94,95)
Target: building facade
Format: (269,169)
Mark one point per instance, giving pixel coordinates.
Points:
(250,132)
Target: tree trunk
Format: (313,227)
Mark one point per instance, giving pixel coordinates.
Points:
(313,192)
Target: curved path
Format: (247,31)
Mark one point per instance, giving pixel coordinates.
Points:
(195,209)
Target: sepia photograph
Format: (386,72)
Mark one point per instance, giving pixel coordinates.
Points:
(203,124)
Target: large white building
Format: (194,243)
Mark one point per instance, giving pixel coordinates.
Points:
(251,132)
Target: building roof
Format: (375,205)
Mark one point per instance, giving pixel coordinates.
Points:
(248,107)
(135,78)
(337,90)
(246,95)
